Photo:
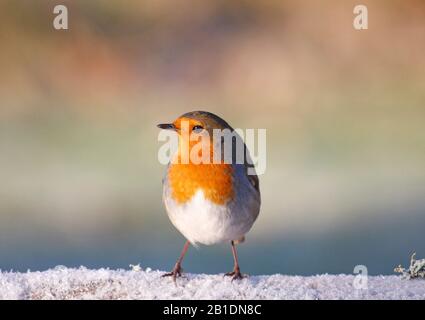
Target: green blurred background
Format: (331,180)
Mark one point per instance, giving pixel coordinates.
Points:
(344,110)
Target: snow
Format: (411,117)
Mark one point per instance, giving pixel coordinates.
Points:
(139,283)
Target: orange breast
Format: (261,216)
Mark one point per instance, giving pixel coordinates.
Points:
(215,180)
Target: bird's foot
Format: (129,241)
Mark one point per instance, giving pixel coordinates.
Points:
(176,272)
(235,274)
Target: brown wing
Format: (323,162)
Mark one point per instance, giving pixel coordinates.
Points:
(253,178)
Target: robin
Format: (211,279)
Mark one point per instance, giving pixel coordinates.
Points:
(212,202)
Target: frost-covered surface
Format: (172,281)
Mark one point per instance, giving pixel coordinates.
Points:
(416,268)
(82,283)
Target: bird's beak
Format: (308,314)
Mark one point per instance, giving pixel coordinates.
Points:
(166,126)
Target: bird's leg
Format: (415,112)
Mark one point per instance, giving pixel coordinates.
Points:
(177,270)
(236,273)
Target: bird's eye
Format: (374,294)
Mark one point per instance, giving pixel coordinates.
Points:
(197,129)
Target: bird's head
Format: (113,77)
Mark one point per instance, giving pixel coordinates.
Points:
(197,122)
(193,126)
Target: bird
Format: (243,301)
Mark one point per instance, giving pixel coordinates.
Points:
(209,203)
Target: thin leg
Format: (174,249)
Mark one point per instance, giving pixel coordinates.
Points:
(236,273)
(177,270)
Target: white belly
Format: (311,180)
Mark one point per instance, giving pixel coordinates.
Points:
(202,221)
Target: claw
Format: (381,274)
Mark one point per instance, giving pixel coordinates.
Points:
(176,272)
(235,274)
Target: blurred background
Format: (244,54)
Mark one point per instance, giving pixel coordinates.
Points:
(344,110)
